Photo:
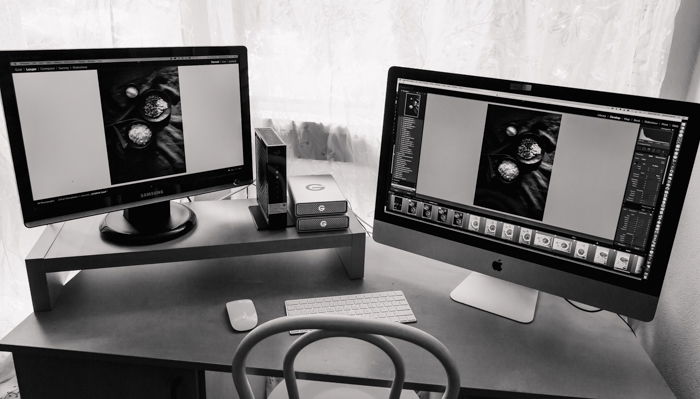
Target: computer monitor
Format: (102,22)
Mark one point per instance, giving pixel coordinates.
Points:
(574,192)
(99,130)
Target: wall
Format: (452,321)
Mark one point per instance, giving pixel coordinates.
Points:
(683,53)
(672,339)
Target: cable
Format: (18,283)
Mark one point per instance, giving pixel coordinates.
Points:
(627,323)
(366,223)
(583,309)
(231,194)
(598,310)
(252,184)
(368,228)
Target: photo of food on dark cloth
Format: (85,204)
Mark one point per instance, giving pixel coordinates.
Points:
(517,156)
(412,106)
(143,122)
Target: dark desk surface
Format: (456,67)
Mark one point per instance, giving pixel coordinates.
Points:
(174,314)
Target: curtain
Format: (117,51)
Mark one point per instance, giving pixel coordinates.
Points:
(694,89)
(327,60)
(318,68)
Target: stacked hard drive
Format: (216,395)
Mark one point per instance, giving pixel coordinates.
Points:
(317,203)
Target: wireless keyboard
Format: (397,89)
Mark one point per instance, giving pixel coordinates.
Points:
(386,305)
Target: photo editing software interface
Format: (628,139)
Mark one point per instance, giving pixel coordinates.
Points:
(581,181)
(107,123)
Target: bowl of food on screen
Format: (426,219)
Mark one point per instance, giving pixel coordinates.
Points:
(139,135)
(529,150)
(155,105)
(507,169)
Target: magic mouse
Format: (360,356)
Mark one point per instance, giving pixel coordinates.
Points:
(241,314)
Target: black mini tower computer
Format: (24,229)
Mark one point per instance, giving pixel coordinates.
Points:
(271,153)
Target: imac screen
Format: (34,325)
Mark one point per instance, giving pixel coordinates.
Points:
(579,182)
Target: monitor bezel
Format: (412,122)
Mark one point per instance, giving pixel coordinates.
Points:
(130,195)
(652,285)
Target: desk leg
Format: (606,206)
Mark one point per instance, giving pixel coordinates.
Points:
(39,289)
(44,288)
(353,257)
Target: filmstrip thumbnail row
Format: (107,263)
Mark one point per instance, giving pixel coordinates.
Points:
(596,254)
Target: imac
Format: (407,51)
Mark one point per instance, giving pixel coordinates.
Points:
(535,187)
(100,130)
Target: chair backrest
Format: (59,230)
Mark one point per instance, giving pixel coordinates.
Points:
(372,331)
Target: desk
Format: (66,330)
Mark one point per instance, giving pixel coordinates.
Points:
(164,323)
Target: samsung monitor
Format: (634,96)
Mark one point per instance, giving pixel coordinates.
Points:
(574,192)
(99,130)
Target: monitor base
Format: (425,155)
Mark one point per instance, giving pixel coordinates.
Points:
(497,296)
(148,224)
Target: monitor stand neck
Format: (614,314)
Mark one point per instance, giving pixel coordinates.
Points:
(497,296)
(148,224)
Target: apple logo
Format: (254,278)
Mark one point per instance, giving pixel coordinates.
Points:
(497,265)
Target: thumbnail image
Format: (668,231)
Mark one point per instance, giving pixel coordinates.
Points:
(561,245)
(638,265)
(543,240)
(442,215)
(491,227)
(525,235)
(412,106)
(507,233)
(412,207)
(517,156)
(601,255)
(398,203)
(427,211)
(474,223)
(143,122)
(458,219)
(581,250)
(622,261)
